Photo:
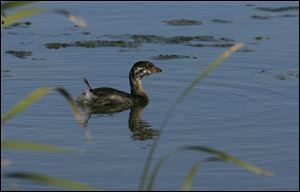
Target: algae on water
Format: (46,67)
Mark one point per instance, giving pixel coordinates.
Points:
(92,44)
(19,54)
(278,9)
(172,56)
(182,22)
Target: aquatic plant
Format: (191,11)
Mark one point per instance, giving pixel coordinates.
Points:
(221,21)
(93,44)
(172,56)
(182,22)
(19,54)
(278,9)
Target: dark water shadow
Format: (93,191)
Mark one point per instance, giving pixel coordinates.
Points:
(141,129)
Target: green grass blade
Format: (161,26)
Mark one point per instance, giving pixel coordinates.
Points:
(22,105)
(16,16)
(33,146)
(225,157)
(188,181)
(72,104)
(147,166)
(197,80)
(220,155)
(209,69)
(35,96)
(73,18)
(13,4)
(51,181)
(155,172)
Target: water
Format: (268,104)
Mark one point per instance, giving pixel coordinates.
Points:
(242,108)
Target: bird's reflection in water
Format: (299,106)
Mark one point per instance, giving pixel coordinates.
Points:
(141,130)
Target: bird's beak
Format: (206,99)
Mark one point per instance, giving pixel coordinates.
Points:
(156,70)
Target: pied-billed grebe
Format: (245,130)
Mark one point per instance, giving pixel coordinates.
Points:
(116,100)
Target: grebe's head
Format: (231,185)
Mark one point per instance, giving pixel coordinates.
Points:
(143,68)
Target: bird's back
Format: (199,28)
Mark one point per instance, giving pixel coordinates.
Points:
(110,96)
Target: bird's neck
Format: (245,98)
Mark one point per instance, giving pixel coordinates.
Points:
(137,89)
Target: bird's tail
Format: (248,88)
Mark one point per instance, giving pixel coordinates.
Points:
(87,83)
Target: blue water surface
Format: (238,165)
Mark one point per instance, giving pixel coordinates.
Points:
(243,107)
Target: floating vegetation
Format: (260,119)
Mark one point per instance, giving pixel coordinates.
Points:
(92,44)
(170,40)
(263,71)
(56,45)
(249,5)
(124,50)
(221,21)
(260,17)
(133,41)
(12,33)
(269,17)
(86,33)
(4,74)
(173,56)
(282,77)
(293,73)
(27,23)
(278,9)
(288,15)
(19,54)
(258,38)
(19,24)
(287,75)
(182,22)
(212,45)
(245,49)
(34,59)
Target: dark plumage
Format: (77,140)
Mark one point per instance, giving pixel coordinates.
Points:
(105,98)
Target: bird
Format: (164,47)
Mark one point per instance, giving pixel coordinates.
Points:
(110,100)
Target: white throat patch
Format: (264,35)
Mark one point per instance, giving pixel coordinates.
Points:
(141,72)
